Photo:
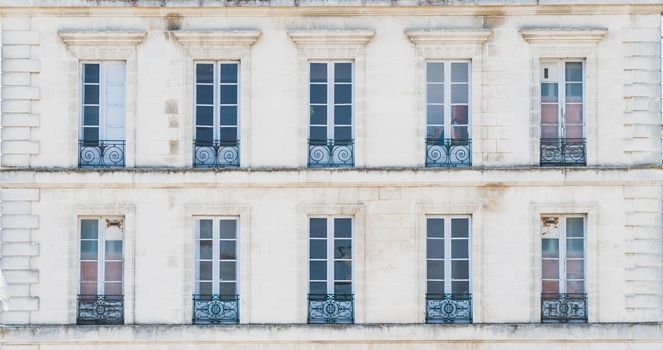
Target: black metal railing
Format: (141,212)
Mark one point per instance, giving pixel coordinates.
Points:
(215,309)
(563,152)
(448,308)
(100,309)
(331,308)
(564,307)
(331,153)
(215,154)
(447,153)
(101,154)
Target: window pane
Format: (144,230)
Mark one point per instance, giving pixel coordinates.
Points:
(435,227)
(435,114)
(319,114)
(460,269)
(573,71)
(113,288)
(318,249)
(435,287)
(205,229)
(549,114)
(317,270)
(459,72)
(459,248)
(343,72)
(228,134)
(89,229)
(435,72)
(204,115)
(459,133)
(459,228)
(318,133)
(574,227)
(318,72)
(342,288)
(550,287)
(204,73)
(435,132)
(204,94)
(459,114)
(205,288)
(343,133)
(550,248)
(91,115)
(228,115)
(227,271)
(317,288)
(205,249)
(343,115)
(342,249)
(89,250)
(574,248)
(113,250)
(435,93)
(91,134)
(550,269)
(435,269)
(573,114)
(549,92)
(575,287)
(573,92)
(229,73)
(228,94)
(227,250)
(435,249)
(228,288)
(228,229)
(205,270)
(113,271)
(342,270)
(91,94)
(459,93)
(204,134)
(460,287)
(91,73)
(89,288)
(318,227)
(89,271)
(575,269)
(318,93)
(573,132)
(342,93)
(549,131)
(342,227)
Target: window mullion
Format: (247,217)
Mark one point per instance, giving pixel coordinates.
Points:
(447,254)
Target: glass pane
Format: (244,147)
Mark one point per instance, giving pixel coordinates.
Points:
(317,270)
(435,132)
(575,269)
(435,249)
(549,114)
(574,248)
(342,288)
(342,270)
(459,133)
(228,288)
(113,271)
(204,134)
(574,227)
(227,270)
(342,227)
(229,73)
(113,250)
(459,114)
(91,94)
(318,133)
(89,288)
(343,72)
(228,94)
(89,271)
(91,115)
(318,93)
(228,115)
(228,134)
(460,287)
(550,269)
(205,288)
(318,72)
(435,114)
(550,287)
(318,249)
(435,269)
(343,133)
(549,92)
(550,248)
(91,73)
(114,95)
(227,250)
(460,269)
(549,131)
(89,250)
(228,229)
(459,228)
(204,73)
(113,288)
(575,287)
(204,94)
(318,227)
(435,287)
(205,270)
(573,92)
(204,115)
(459,93)
(459,248)
(435,72)
(459,72)
(435,227)
(205,249)
(342,249)
(573,132)
(435,93)
(89,229)
(573,114)
(319,114)
(91,134)
(205,229)
(573,71)
(343,115)
(317,288)
(342,93)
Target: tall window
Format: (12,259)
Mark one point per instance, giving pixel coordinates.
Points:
(330,270)
(448,298)
(215,297)
(562,121)
(102,114)
(563,269)
(448,135)
(101,271)
(331,141)
(216,140)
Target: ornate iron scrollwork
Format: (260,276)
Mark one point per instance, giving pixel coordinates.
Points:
(100,309)
(331,153)
(215,309)
(448,308)
(331,308)
(448,153)
(564,307)
(215,154)
(101,154)
(563,152)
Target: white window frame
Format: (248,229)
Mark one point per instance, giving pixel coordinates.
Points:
(101,252)
(103,64)
(447,250)
(447,96)
(216,280)
(562,252)
(330,97)
(330,239)
(561,92)
(216,99)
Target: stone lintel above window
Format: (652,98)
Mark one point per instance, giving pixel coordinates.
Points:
(563,35)
(216,39)
(448,36)
(332,38)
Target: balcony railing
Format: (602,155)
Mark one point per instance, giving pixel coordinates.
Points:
(215,309)
(447,153)
(331,153)
(571,307)
(100,309)
(101,154)
(563,152)
(215,154)
(331,308)
(448,308)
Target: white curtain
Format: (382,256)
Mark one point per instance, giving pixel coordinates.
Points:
(4,294)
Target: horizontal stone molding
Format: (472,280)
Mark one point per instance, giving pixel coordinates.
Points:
(355,37)
(216,38)
(102,38)
(563,35)
(448,36)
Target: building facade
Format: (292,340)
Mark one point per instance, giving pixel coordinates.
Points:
(293,174)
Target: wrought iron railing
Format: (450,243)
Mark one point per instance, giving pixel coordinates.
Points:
(331,308)
(448,308)
(331,153)
(101,154)
(564,307)
(215,309)
(215,154)
(100,309)
(563,152)
(448,153)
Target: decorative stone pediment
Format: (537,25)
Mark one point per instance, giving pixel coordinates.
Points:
(332,38)
(448,36)
(563,35)
(102,38)
(197,39)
